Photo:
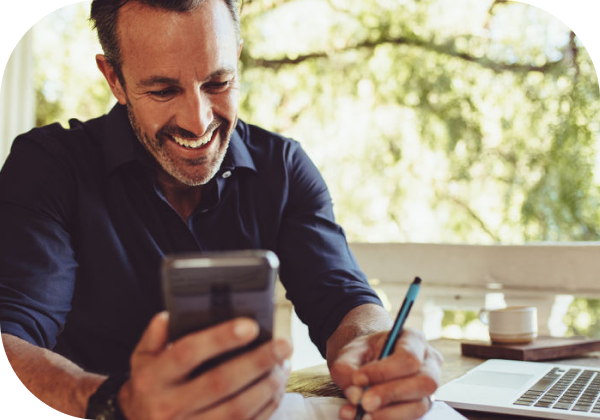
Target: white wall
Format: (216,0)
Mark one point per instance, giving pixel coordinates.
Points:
(468,277)
(17,95)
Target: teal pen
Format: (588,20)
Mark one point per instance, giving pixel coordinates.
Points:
(396,332)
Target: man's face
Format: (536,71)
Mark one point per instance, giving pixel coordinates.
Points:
(181,87)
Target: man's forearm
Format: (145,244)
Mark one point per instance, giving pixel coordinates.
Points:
(362,320)
(53,379)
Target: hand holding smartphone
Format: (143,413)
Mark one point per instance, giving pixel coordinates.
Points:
(202,290)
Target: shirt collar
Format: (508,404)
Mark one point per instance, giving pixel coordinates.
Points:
(238,155)
(121,145)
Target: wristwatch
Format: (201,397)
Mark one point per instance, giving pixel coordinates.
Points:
(103,404)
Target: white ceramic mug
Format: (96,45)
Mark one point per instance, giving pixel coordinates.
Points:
(514,324)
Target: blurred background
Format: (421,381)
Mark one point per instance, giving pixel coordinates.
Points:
(438,121)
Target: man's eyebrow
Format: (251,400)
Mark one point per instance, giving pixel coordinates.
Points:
(158,80)
(222,72)
(164,80)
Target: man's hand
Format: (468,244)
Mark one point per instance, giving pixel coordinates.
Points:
(249,386)
(399,385)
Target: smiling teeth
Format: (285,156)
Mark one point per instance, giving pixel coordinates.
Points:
(194,144)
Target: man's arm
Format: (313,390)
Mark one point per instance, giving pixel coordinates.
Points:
(53,379)
(249,386)
(400,385)
(361,321)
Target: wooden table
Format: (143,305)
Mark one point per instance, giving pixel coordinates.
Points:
(315,381)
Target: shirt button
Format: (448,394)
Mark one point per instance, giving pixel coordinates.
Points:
(226,174)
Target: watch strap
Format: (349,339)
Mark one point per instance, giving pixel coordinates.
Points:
(103,404)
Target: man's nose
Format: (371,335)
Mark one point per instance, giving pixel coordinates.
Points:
(195,113)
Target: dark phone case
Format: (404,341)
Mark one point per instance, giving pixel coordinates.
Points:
(202,290)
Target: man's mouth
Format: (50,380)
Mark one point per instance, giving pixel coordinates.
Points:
(195,144)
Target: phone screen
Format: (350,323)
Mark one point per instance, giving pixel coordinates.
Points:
(202,290)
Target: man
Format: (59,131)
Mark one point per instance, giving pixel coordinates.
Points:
(88,213)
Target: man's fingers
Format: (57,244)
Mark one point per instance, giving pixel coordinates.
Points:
(408,389)
(433,364)
(155,336)
(412,410)
(407,359)
(190,351)
(341,374)
(351,358)
(399,391)
(258,401)
(414,342)
(236,375)
(159,383)
(154,364)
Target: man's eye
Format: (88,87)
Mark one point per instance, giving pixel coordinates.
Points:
(162,94)
(218,86)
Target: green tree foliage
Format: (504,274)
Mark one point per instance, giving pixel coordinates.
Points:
(583,318)
(433,120)
(67,82)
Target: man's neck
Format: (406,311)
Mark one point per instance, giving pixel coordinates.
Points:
(183,198)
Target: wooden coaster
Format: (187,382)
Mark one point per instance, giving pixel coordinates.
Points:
(542,348)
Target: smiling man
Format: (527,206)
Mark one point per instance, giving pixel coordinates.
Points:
(183,111)
(88,213)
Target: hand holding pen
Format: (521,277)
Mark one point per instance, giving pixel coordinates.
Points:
(396,387)
(396,331)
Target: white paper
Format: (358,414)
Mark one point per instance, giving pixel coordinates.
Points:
(296,407)
(292,407)
(324,408)
(442,411)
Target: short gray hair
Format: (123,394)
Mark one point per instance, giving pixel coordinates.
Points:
(105,13)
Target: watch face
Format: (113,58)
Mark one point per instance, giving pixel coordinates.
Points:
(103,404)
(105,415)
(108,411)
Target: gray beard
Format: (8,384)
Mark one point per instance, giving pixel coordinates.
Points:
(166,163)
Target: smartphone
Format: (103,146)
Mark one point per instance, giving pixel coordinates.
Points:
(203,290)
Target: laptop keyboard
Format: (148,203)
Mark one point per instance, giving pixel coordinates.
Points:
(560,389)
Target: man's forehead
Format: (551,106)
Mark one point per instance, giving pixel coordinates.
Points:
(138,13)
(157,36)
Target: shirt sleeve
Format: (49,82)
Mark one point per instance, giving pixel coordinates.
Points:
(37,261)
(318,270)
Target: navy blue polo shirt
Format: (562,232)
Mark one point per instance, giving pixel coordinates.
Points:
(84,227)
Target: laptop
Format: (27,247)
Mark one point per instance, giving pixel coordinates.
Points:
(542,390)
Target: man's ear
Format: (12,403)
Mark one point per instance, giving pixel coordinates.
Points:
(111,77)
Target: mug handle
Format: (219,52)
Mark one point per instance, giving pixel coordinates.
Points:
(484,316)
